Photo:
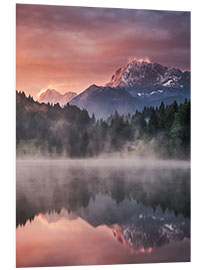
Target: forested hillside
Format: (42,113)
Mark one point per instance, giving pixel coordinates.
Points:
(47,130)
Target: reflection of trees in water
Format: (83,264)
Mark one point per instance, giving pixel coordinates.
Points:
(72,190)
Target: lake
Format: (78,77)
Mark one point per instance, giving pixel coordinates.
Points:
(102,211)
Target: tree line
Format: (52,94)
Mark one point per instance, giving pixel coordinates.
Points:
(50,130)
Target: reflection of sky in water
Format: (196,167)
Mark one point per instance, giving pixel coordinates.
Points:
(62,239)
(101,216)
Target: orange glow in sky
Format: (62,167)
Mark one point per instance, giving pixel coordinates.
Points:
(70,48)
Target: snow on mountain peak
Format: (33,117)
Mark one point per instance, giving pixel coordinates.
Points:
(144,73)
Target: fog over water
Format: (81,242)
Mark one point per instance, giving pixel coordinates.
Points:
(112,161)
(145,203)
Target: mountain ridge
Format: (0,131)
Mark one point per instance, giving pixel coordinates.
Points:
(53,96)
(132,87)
(149,74)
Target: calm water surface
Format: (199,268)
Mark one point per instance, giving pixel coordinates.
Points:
(87,212)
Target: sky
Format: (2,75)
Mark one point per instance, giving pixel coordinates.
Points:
(69,48)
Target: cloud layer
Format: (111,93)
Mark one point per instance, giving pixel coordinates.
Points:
(69,48)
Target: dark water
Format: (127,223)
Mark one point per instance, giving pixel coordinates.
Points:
(102,212)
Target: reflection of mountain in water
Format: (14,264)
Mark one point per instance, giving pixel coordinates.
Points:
(143,239)
(145,206)
(133,224)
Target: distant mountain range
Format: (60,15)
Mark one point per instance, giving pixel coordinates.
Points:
(132,87)
(52,96)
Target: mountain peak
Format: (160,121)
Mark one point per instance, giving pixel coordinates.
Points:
(93,86)
(139,61)
(144,73)
(53,96)
(51,91)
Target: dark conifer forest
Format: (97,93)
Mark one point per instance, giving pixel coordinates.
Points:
(50,130)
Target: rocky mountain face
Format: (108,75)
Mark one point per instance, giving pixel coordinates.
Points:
(132,87)
(144,74)
(52,96)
